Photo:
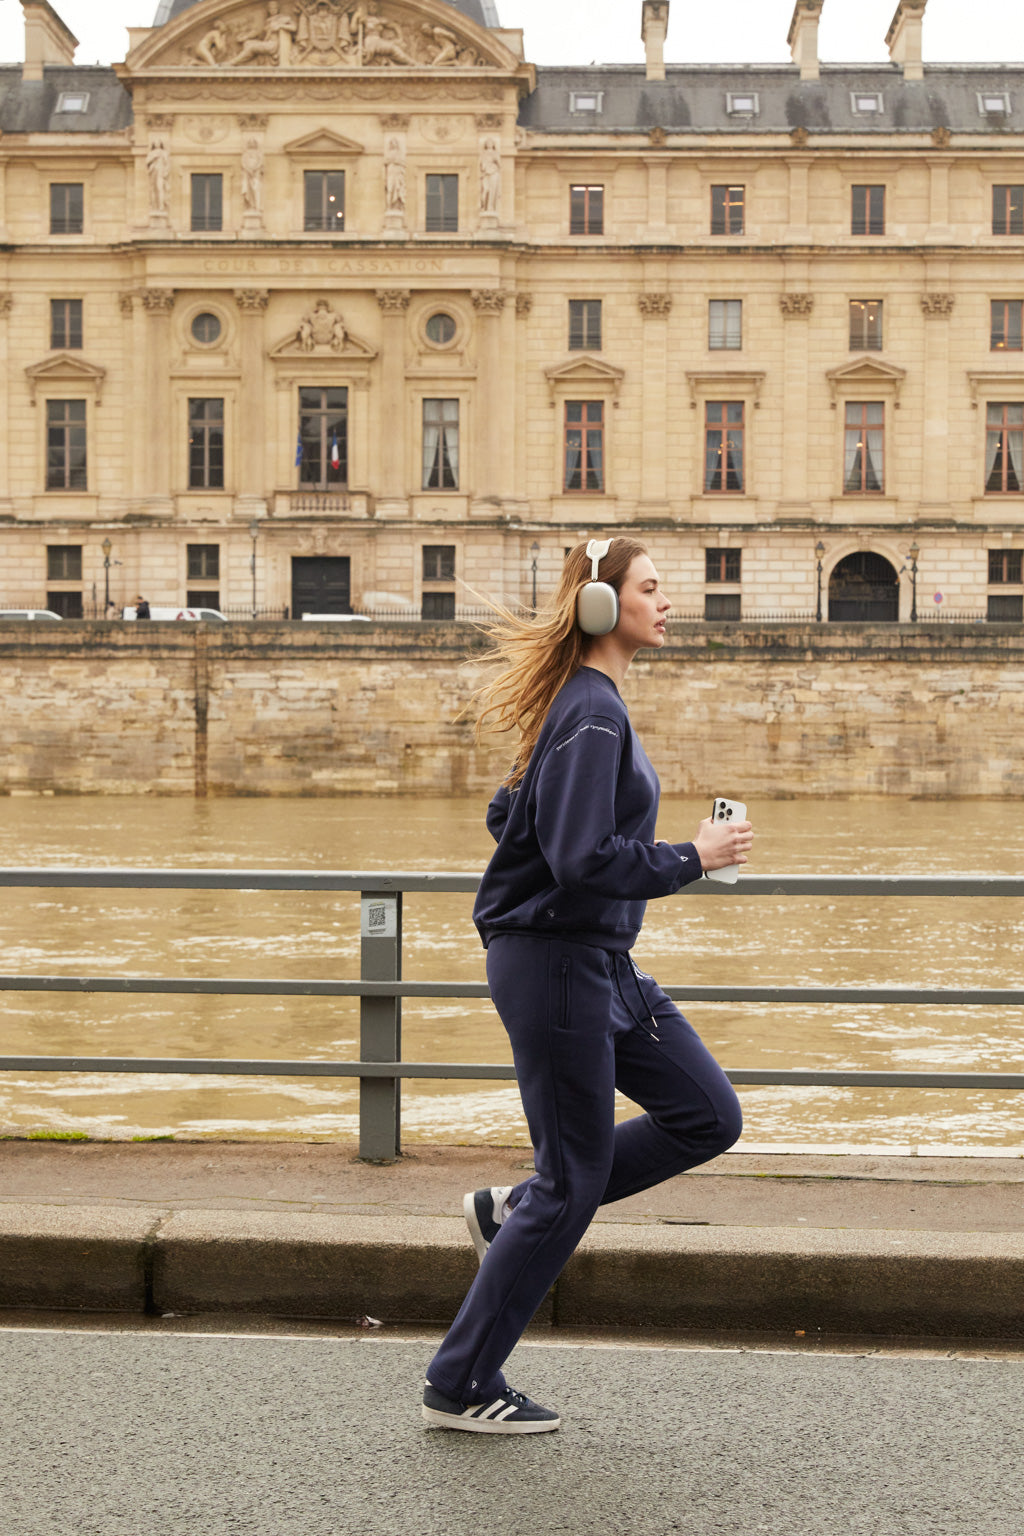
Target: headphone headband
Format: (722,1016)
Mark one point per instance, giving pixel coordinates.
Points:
(596,551)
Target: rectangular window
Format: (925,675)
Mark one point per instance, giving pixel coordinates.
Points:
(64,562)
(203,565)
(723,445)
(65,445)
(1004,449)
(439,562)
(868,211)
(863,468)
(324,200)
(206,445)
(1004,608)
(727,210)
(65,325)
(584,325)
(440,445)
(586,210)
(1008,210)
(722,605)
(323,438)
(202,597)
(584,445)
(722,564)
(67,604)
(1005,566)
(725,325)
(207,202)
(865,325)
(67,207)
(442,205)
(438,605)
(1006,325)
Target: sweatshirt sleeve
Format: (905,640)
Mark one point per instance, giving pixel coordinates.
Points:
(497,812)
(576,824)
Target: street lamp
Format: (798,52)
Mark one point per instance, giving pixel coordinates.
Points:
(534,551)
(107,547)
(254,533)
(819,550)
(913,552)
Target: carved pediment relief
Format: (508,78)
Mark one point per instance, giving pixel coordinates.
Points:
(322,333)
(323,142)
(67,371)
(260,35)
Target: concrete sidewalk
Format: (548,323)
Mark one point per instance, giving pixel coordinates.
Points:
(925,1247)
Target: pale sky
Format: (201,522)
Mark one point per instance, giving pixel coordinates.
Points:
(608,31)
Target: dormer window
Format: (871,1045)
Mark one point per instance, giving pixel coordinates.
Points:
(586,101)
(741,105)
(72,101)
(865,103)
(993,104)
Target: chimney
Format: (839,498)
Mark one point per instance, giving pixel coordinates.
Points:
(803,37)
(47,39)
(653,32)
(904,38)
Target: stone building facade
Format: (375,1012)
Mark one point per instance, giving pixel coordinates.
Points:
(318,305)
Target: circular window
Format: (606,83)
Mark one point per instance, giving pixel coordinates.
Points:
(441,330)
(206,329)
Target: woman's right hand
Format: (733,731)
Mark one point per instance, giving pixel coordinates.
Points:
(719,844)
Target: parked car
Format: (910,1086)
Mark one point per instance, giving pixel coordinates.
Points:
(189,614)
(337,618)
(28,613)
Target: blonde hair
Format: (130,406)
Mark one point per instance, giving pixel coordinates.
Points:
(542,652)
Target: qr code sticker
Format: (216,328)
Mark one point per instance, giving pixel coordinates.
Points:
(376,917)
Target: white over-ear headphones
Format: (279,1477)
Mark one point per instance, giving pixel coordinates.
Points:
(597,606)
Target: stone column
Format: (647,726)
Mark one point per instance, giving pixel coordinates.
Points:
(6,303)
(937,308)
(939,228)
(391,489)
(654,500)
(488,416)
(657,229)
(799,199)
(248,455)
(158,499)
(794,499)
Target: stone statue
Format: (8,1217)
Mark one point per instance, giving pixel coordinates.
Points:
(274,43)
(490,176)
(394,177)
(158,166)
(322,328)
(324,32)
(380,49)
(447,44)
(252,175)
(212,48)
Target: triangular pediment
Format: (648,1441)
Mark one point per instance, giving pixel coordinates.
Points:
(323,142)
(65,369)
(223,37)
(866,373)
(589,370)
(323,334)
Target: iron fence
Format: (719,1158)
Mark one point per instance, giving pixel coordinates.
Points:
(380,987)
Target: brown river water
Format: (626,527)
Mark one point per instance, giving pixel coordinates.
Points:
(689,939)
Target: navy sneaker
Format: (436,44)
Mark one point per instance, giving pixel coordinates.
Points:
(482,1210)
(509,1413)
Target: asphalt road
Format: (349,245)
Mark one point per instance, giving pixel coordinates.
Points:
(145,1434)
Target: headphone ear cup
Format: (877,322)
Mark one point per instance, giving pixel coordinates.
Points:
(597,608)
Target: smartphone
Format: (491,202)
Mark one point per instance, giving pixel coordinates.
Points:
(726,810)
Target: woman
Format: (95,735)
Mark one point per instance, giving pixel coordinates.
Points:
(559,908)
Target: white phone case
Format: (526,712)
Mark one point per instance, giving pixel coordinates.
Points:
(726,810)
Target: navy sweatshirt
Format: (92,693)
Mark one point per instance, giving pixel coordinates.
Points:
(576,856)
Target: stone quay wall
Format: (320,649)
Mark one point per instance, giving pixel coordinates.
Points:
(780,711)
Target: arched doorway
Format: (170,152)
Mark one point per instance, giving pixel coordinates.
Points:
(864,589)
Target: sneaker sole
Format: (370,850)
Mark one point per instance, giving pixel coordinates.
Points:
(488,1426)
(480,1242)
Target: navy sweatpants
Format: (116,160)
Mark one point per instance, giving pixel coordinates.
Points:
(582,1022)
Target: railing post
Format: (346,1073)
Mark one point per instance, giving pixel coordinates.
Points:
(380,1025)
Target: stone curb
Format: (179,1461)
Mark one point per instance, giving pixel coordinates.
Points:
(409,1269)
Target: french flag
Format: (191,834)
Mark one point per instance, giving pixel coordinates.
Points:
(335,453)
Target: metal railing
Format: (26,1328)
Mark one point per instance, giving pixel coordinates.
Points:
(380,987)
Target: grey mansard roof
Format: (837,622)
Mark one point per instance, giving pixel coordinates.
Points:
(483,11)
(695,99)
(30,106)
